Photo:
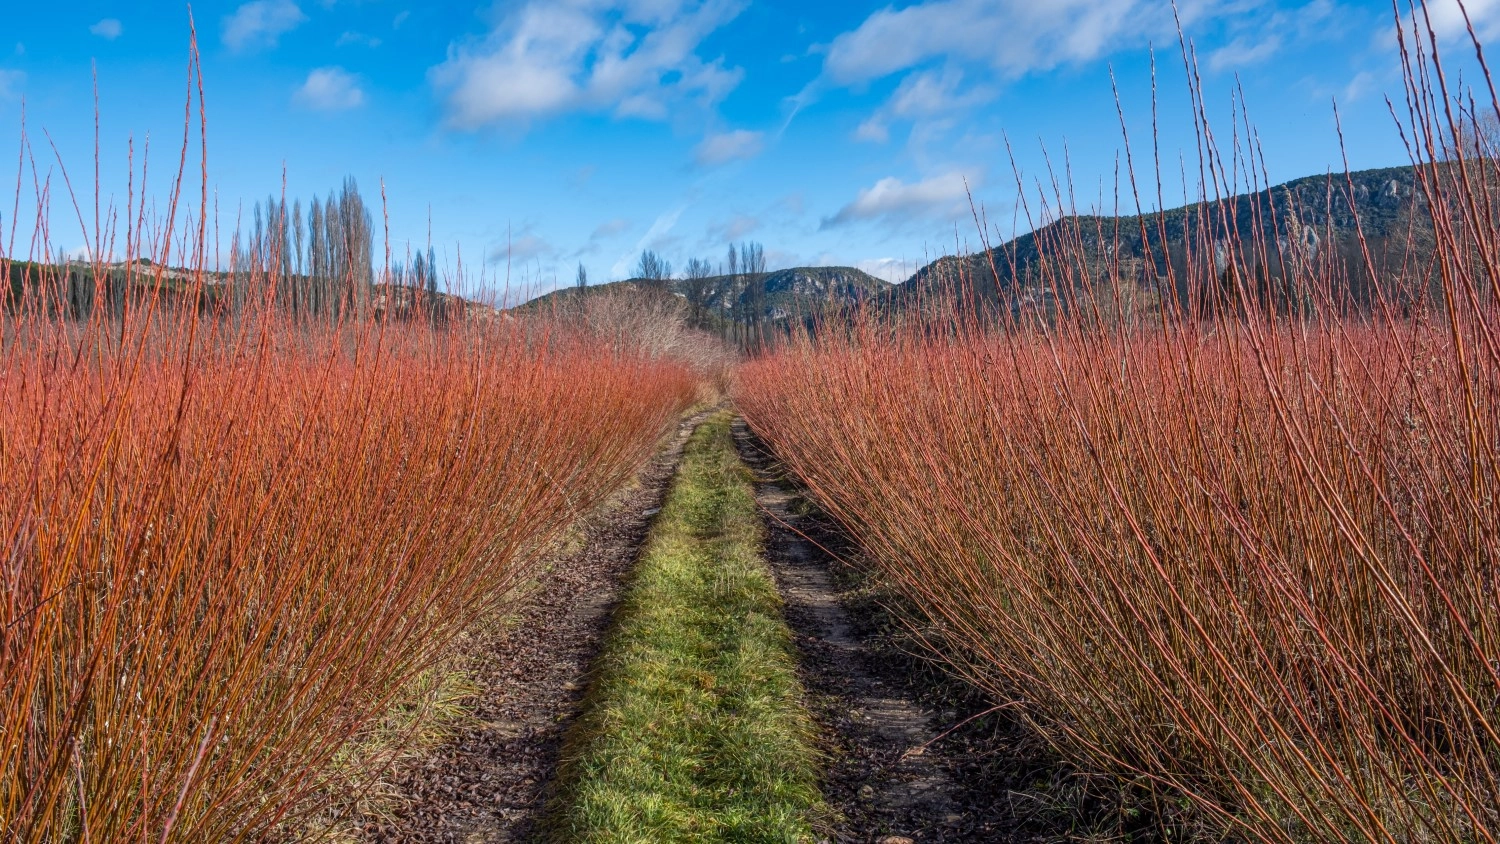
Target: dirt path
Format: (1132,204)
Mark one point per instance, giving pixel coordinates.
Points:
(889,778)
(487,784)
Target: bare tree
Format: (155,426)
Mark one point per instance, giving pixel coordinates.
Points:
(695,287)
(697,268)
(357,273)
(583,276)
(299,239)
(653,267)
(317,251)
(324,269)
(753,262)
(1477,136)
(752,258)
(737,305)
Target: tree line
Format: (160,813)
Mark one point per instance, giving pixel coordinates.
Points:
(312,262)
(321,264)
(726,298)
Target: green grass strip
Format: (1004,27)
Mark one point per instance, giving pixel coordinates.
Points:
(694,729)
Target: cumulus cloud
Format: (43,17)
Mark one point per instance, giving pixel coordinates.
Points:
(729,146)
(891,198)
(634,58)
(260,24)
(109,29)
(10,83)
(330,89)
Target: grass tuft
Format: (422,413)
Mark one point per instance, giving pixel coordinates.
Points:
(694,729)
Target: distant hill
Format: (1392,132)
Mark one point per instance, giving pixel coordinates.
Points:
(1303,219)
(789,294)
(405,302)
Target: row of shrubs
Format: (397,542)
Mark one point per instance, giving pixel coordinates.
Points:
(1244,559)
(229,548)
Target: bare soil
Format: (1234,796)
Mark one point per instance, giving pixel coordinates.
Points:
(488,783)
(914,755)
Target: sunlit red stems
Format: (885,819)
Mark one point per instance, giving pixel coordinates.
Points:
(1236,544)
(231,531)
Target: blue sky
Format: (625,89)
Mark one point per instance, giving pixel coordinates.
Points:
(537,135)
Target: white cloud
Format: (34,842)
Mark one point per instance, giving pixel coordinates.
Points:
(1447,18)
(894,270)
(933,42)
(1242,52)
(729,146)
(330,89)
(1013,36)
(892,198)
(635,58)
(10,83)
(925,94)
(1261,31)
(261,24)
(875,129)
(109,29)
(1362,83)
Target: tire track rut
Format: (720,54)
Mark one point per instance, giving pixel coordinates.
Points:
(885,781)
(488,784)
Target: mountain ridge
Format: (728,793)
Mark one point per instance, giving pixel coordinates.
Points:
(1303,218)
(788,294)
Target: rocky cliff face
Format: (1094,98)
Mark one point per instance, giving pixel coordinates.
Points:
(783,294)
(775,296)
(1263,233)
